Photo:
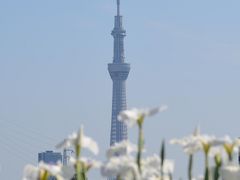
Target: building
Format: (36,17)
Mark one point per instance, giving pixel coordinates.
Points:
(118,71)
(67,154)
(50,157)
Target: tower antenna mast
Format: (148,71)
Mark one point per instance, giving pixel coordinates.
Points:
(118,7)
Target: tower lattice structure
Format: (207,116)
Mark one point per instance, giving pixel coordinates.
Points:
(118,71)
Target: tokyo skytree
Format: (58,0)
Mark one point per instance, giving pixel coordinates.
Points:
(118,71)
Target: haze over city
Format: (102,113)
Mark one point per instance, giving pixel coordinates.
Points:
(54,77)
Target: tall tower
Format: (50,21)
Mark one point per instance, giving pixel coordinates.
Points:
(118,71)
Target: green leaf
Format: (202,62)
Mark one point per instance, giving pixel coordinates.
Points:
(162,153)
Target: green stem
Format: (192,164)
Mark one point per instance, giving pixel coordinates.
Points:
(118,177)
(78,151)
(78,164)
(84,172)
(79,171)
(230,158)
(206,176)
(216,173)
(218,164)
(140,147)
(190,166)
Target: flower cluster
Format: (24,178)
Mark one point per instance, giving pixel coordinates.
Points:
(126,160)
(220,149)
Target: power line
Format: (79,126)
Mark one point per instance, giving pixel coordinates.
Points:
(30,133)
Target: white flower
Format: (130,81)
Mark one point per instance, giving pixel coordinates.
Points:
(196,142)
(123,166)
(227,139)
(190,144)
(230,145)
(80,139)
(226,146)
(211,140)
(151,167)
(122,148)
(52,169)
(218,151)
(88,162)
(168,166)
(35,173)
(231,172)
(152,161)
(30,172)
(130,117)
(68,172)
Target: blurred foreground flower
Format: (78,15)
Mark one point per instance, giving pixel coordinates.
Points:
(136,116)
(230,172)
(230,146)
(122,148)
(79,140)
(122,167)
(152,168)
(196,142)
(87,162)
(42,172)
(190,146)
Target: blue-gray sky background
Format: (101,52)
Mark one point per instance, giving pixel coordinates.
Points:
(53,72)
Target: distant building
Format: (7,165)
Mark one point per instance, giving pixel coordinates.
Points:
(67,154)
(50,157)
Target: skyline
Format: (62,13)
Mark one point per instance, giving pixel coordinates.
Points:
(185,54)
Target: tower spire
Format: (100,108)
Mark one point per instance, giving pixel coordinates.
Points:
(118,7)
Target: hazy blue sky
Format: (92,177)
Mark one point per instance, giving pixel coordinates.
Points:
(53,72)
